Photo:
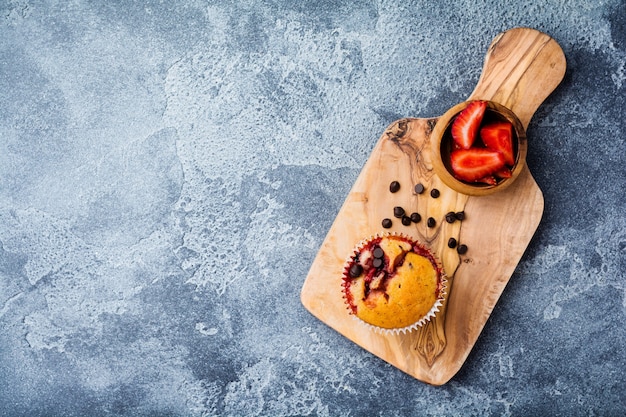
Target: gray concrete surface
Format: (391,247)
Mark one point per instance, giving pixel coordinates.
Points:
(168,171)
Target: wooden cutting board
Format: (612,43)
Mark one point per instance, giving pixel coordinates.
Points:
(522,67)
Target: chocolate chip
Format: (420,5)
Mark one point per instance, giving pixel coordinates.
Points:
(460,215)
(431,222)
(450,217)
(377,263)
(398,212)
(356,270)
(394,186)
(378,253)
(386,223)
(419,188)
(462,249)
(434,193)
(416,218)
(451,242)
(406,220)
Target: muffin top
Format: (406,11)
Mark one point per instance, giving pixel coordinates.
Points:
(392,282)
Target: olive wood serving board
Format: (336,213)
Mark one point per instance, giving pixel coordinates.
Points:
(522,67)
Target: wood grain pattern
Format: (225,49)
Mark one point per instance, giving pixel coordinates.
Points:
(522,67)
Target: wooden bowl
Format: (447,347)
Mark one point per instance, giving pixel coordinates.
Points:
(441,142)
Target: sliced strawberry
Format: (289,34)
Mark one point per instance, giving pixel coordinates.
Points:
(503,173)
(476,163)
(489,180)
(465,126)
(498,136)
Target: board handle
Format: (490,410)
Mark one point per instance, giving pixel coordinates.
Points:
(522,67)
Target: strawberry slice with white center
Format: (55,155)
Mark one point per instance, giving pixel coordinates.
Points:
(498,136)
(465,126)
(474,164)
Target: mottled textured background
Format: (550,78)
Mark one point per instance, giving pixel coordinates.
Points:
(168,171)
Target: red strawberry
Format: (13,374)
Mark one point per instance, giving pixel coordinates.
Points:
(489,180)
(465,126)
(498,136)
(503,173)
(475,164)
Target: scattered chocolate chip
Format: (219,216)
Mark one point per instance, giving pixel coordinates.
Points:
(450,217)
(386,223)
(377,263)
(378,253)
(398,212)
(416,218)
(434,193)
(462,249)
(419,188)
(394,186)
(451,242)
(460,215)
(406,220)
(356,270)
(431,222)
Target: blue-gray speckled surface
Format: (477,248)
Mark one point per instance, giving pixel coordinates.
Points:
(168,171)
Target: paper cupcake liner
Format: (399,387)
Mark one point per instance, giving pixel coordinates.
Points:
(426,317)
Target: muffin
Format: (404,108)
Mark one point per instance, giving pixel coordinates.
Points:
(393,283)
